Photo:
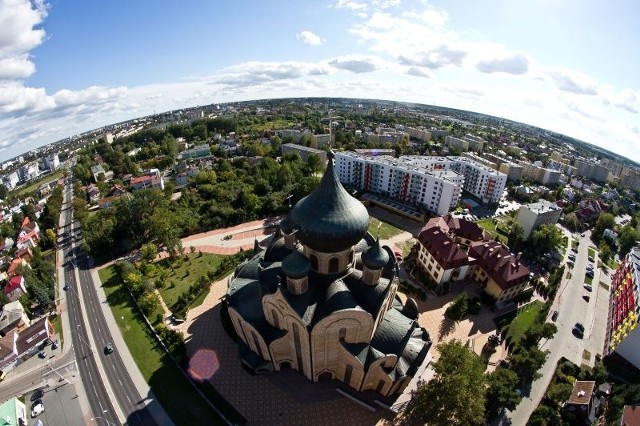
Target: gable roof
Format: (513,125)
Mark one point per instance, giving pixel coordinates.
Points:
(501,265)
(13,284)
(442,248)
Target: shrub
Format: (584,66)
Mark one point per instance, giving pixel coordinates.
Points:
(459,307)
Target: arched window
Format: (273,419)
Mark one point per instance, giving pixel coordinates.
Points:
(276,321)
(343,334)
(334,264)
(351,256)
(314,261)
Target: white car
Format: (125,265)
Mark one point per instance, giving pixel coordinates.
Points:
(37,408)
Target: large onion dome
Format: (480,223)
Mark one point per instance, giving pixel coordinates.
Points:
(330,220)
(375,257)
(296,265)
(286,226)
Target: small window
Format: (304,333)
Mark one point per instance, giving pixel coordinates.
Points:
(334,264)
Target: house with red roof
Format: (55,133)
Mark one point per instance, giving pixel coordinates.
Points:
(149,180)
(13,267)
(15,288)
(29,235)
(497,271)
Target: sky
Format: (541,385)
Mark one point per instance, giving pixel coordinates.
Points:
(571,66)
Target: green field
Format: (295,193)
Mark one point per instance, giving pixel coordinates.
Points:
(524,320)
(592,252)
(383,229)
(33,186)
(184,274)
(488,225)
(178,397)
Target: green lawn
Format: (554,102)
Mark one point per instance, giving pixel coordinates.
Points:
(588,280)
(564,243)
(184,274)
(488,225)
(574,244)
(180,400)
(592,252)
(524,320)
(612,264)
(385,230)
(35,185)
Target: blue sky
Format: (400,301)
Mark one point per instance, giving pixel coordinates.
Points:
(68,66)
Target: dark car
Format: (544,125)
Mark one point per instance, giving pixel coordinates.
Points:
(590,258)
(579,326)
(37,394)
(42,354)
(578,333)
(554,316)
(108,349)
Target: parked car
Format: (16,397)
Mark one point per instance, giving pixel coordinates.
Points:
(588,287)
(586,297)
(580,326)
(578,333)
(37,408)
(590,258)
(572,256)
(554,316)
(589,274)
(37,394)
(42,354)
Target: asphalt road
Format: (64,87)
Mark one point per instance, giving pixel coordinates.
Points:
(95,391)
(126,395)
(572,308)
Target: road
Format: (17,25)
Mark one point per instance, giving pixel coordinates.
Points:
(94,334)
(95,391)
(572,308)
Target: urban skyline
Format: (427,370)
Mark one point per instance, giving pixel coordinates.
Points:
(70,67)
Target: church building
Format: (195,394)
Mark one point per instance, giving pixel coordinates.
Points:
(321,299)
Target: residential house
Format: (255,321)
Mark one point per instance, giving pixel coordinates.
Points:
(96,171)
(29,235)
(497,271)
(152,179)
(13,317)
(24,253)
(29,340)
(630,415)
(581,399)
(6,244)
(117,190)
(15,264)
(93,193)
(531,216)
(8,352)
(13,412)
(15,288)
(182,179)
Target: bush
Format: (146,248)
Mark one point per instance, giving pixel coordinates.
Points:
(474,306)
(459,307)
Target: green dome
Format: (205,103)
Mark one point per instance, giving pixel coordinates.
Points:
(286,226)
(330,220)
(296,265)
(375,257)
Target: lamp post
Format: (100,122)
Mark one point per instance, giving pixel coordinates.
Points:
(106,420)
(81,339)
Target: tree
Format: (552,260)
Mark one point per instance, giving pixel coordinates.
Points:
(627,239)
(605,251)
(516,236)
(546,238)
(3,191)
(559,392)
(604,221)
(501,392)
(459,307)
(544,416)
(149,252)
(527,362)
(456,394)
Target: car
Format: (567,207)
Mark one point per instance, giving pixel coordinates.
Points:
(554,316)
(582,235)
(54,345)
(37,394)
(590,259)
(589,274)
(573,249)
(2,375)
(579,326)
(37,408)
(108,348)
(572,256)
(588,287)
(42,354)
(586,297)
(578,333)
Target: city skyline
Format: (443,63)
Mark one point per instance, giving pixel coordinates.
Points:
(68,67)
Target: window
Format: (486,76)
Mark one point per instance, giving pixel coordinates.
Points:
(347,373)
(314,262)
(343,334)
(334,264)
(276,321)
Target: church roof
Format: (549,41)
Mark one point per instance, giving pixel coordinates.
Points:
(330,220)
(296,265)
(375,257)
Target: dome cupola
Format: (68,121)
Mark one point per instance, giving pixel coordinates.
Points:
(375,257)
(329,220)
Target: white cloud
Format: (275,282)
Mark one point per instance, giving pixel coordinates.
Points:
(418,72)
(309,37)
(353,5)
(514,64)
(18,35)
(572,81)
(628,100)
(356,63)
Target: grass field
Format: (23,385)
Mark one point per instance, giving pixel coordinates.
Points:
(385,230)
(178,397)
(592,251)
(33,186)
(524,320)
(488,225)
(184,274)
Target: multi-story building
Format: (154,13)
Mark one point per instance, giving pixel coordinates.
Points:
(476,143)
(481,181)
(420,181)
(497,271)
(539,174)
(441,252)
(199,151)
(29,171)
(512,170)
(10,180)
(532,215)
(152,179)
(592,170)
(52,162)
(320,141)
(303,151)
(418,133)
(622,334)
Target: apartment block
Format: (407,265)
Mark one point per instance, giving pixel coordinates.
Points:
(481,181)
(304,151)
(425,182)
(532,215)
(592,170)
(622,334)
(512,170)
(320,141)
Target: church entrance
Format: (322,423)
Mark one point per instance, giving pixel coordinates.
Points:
(284,365)
(325,376)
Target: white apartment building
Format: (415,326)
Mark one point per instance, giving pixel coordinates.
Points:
(532,215)
(11,180)
(52,162)
(481,181)
(421,181)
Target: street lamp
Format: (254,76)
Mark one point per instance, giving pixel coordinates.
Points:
(81,339)
(106,420)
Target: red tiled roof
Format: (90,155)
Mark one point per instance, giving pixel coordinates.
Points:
(630,415)
(442,248)
(501,265)
(13,284)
